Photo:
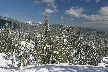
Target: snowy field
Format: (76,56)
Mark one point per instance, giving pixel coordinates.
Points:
(56,68)
(5,67)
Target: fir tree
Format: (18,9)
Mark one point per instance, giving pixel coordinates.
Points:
(46,41)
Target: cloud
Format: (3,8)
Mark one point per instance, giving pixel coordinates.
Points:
(86,0)
(67,18)
(71,19)
(5,15)
(48,1)
(101,16)
(75,11)
(90,0)
(93,17)
(78,12)
(18,12)
(96,24)
(97,1)
(51,3)
(49,11)
(36,1)
(103,11)
(62,17)
(65,1)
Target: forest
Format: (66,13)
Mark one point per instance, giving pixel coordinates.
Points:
(26,44)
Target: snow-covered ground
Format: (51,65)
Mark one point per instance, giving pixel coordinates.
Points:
(5,67)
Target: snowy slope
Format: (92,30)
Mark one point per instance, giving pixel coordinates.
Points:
(4,67)
(57,68)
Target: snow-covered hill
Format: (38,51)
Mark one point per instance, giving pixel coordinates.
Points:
(64,67)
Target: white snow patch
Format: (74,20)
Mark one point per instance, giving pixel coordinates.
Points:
(63,67)
(3,62)
(23,43)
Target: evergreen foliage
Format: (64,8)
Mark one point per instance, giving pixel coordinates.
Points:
(58,44)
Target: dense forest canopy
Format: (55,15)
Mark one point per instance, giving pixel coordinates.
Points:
(50,44)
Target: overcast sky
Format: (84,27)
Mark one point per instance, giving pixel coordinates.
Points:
(87,13)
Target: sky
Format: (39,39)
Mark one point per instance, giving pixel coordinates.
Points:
(86,13)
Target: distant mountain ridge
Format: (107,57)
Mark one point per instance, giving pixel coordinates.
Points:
(15,23)
(9,21)
(26,26)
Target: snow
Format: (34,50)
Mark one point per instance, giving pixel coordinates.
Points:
(23,43)
(5,65)
(105,59)
(3,62)
(63,67)
(104,62)
(40,22)
(58,68)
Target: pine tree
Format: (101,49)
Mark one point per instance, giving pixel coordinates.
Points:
(46,41)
